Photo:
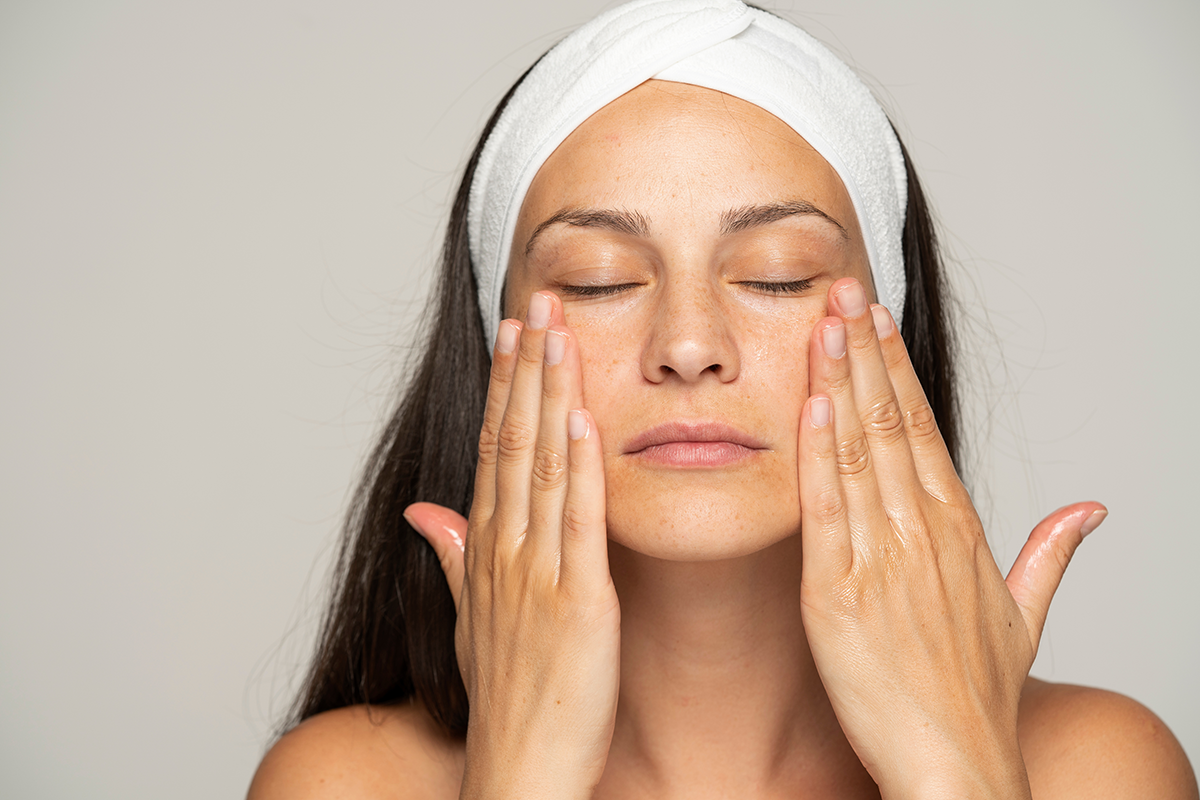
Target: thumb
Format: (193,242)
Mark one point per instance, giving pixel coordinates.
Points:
(1039,568)
(446,531)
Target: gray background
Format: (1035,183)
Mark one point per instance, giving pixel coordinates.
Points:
(217,221)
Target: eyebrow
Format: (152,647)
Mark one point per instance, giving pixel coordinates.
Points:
(633,223)
(630,223)
(740,219)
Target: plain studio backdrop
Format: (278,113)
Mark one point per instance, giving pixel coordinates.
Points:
(217,226)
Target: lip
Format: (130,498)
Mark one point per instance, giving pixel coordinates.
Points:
(693,444)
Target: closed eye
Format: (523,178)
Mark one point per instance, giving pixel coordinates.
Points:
(599,290)
(785,287)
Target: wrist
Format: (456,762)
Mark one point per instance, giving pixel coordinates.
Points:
(978,774)
(502,765)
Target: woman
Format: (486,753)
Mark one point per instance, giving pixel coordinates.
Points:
(717,544)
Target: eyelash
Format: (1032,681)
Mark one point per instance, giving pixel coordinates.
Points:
(787,287)
(603,290)
(599,290)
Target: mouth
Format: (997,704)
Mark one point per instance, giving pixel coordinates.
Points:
(693,444)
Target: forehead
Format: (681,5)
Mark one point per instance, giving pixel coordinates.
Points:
(670,150)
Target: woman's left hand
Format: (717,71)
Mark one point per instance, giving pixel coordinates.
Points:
(922,646)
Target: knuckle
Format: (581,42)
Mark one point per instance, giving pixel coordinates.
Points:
(893,555)
(861,590)
(576,521)
(553,389)
(921,423)
(853,456)
(500,377)
(837,382)
(512,441)
(861,336)
(497,567)
(549,469)
(489,443)
(909,521)
(528,356)
(884,419)
(895,355)
(826,506)
(965,519)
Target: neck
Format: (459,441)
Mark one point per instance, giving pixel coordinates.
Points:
(718,685)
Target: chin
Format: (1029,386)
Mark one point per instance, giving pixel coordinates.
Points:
(699,521)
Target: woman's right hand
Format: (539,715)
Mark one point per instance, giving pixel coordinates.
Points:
(538,633)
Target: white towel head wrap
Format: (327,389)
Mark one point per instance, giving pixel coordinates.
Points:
(717,44)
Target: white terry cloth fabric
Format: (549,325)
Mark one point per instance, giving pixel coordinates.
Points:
(718,44)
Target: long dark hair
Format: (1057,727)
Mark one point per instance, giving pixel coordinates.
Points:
(388,634)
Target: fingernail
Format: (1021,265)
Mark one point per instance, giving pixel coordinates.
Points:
(883,321)
(819,412)
(852,300)
(556,347)
(538,315)
(1091,523)
(833,340)
(507,337)
(577,424)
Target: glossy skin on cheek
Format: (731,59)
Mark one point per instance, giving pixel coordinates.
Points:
(693,298)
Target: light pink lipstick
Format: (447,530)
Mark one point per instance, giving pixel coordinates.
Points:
(693,444)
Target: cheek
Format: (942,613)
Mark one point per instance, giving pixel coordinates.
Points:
(779,358)
(775,360)
(610,366)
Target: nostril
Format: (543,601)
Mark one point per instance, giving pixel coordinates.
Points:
(677,353)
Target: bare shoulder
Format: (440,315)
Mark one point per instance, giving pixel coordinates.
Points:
(362,752)
(1083,742)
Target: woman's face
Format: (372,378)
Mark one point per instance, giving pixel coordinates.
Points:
(691,237)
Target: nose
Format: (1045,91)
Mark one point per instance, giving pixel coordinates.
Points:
(691,335)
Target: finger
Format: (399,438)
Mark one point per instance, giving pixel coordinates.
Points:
(548,484)
(824,526)
(504,359)
(878,407)
(584,562)
(829,374)
(1039,568)
(931,460)
(517,438)
(446,532)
